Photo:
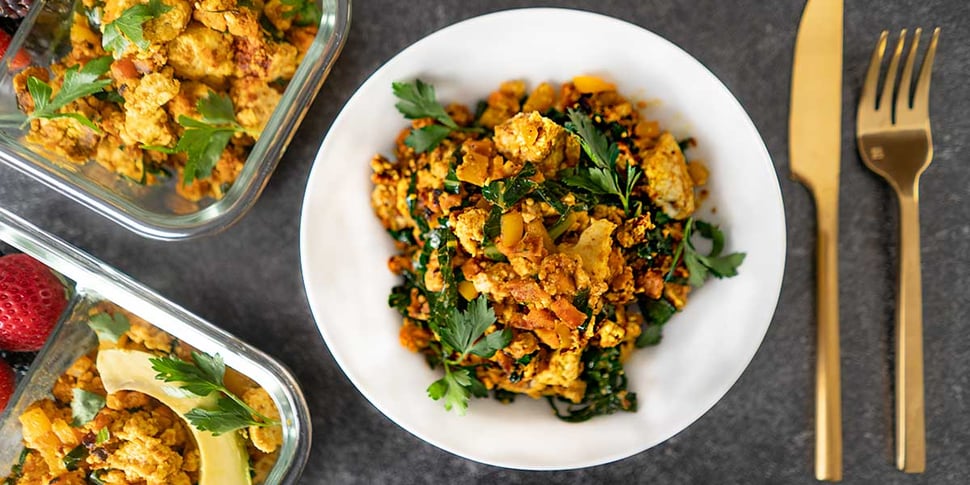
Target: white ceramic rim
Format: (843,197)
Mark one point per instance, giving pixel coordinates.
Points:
(757,287)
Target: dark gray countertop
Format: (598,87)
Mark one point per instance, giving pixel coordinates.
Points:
(247,279)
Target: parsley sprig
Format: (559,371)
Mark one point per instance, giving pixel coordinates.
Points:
(127,28)
(463,333)
(602,178)
(79,81)
(203,141)
(698,265)
(418,100)
(203,376)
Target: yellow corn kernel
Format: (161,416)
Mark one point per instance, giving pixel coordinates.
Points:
(592,84)
(512,228)
(467,290)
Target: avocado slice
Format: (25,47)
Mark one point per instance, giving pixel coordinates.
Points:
(223,458)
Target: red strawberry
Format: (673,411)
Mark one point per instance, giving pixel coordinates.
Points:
(31,301)
(8,382)
(20,60)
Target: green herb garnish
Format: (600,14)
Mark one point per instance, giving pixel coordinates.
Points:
(73,459)
(203,376)
(104,434)
(303,12)
(605,388)
(127,28)
(463,333)
(109,327)
(203,141)
(655,314)
(700,266)
(78,82)
(507,192)
(85,406)
(417,100)
(602,178)
(17,470)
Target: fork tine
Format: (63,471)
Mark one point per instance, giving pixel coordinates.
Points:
(921,97)
(868,97)
(905,79)
(889,84)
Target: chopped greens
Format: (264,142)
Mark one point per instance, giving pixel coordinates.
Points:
(17,470)
(606,391)
(507,192)
(73,459)
(655,314)
(104,434)
(203,376)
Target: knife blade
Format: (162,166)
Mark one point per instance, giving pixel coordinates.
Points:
(815,135)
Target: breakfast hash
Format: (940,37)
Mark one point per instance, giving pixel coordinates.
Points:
(542,236)
(160,89)
(112,419)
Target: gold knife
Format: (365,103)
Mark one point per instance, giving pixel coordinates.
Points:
(814,145)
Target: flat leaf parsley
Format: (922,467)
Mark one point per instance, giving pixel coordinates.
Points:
(463,333)
(700,266)
(602,178)
(203,376)
(203,141)
(417,100)
(127,28)
(78,82)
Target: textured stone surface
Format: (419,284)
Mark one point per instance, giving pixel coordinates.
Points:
(247,279)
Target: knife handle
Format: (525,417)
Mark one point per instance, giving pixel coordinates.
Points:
(828,387)
(910,425)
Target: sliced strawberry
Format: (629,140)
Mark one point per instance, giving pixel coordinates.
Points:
(32,299)
(20,60)
(8,381)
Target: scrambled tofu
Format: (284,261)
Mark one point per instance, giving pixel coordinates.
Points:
(540,234)
(186,50)
(133,438)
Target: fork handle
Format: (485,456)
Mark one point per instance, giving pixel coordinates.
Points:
(828,379)
(910,425)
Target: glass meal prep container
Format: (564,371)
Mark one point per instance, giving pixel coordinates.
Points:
(94,283)
(157,211)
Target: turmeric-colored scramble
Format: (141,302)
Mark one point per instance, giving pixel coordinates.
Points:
(133,438)
(246,50)
(578,251)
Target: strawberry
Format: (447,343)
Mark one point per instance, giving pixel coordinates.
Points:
(20,60)
(32,299)
(8,382)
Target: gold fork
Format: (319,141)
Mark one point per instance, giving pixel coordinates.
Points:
(893,133)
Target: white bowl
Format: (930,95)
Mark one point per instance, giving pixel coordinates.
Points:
(705,348)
